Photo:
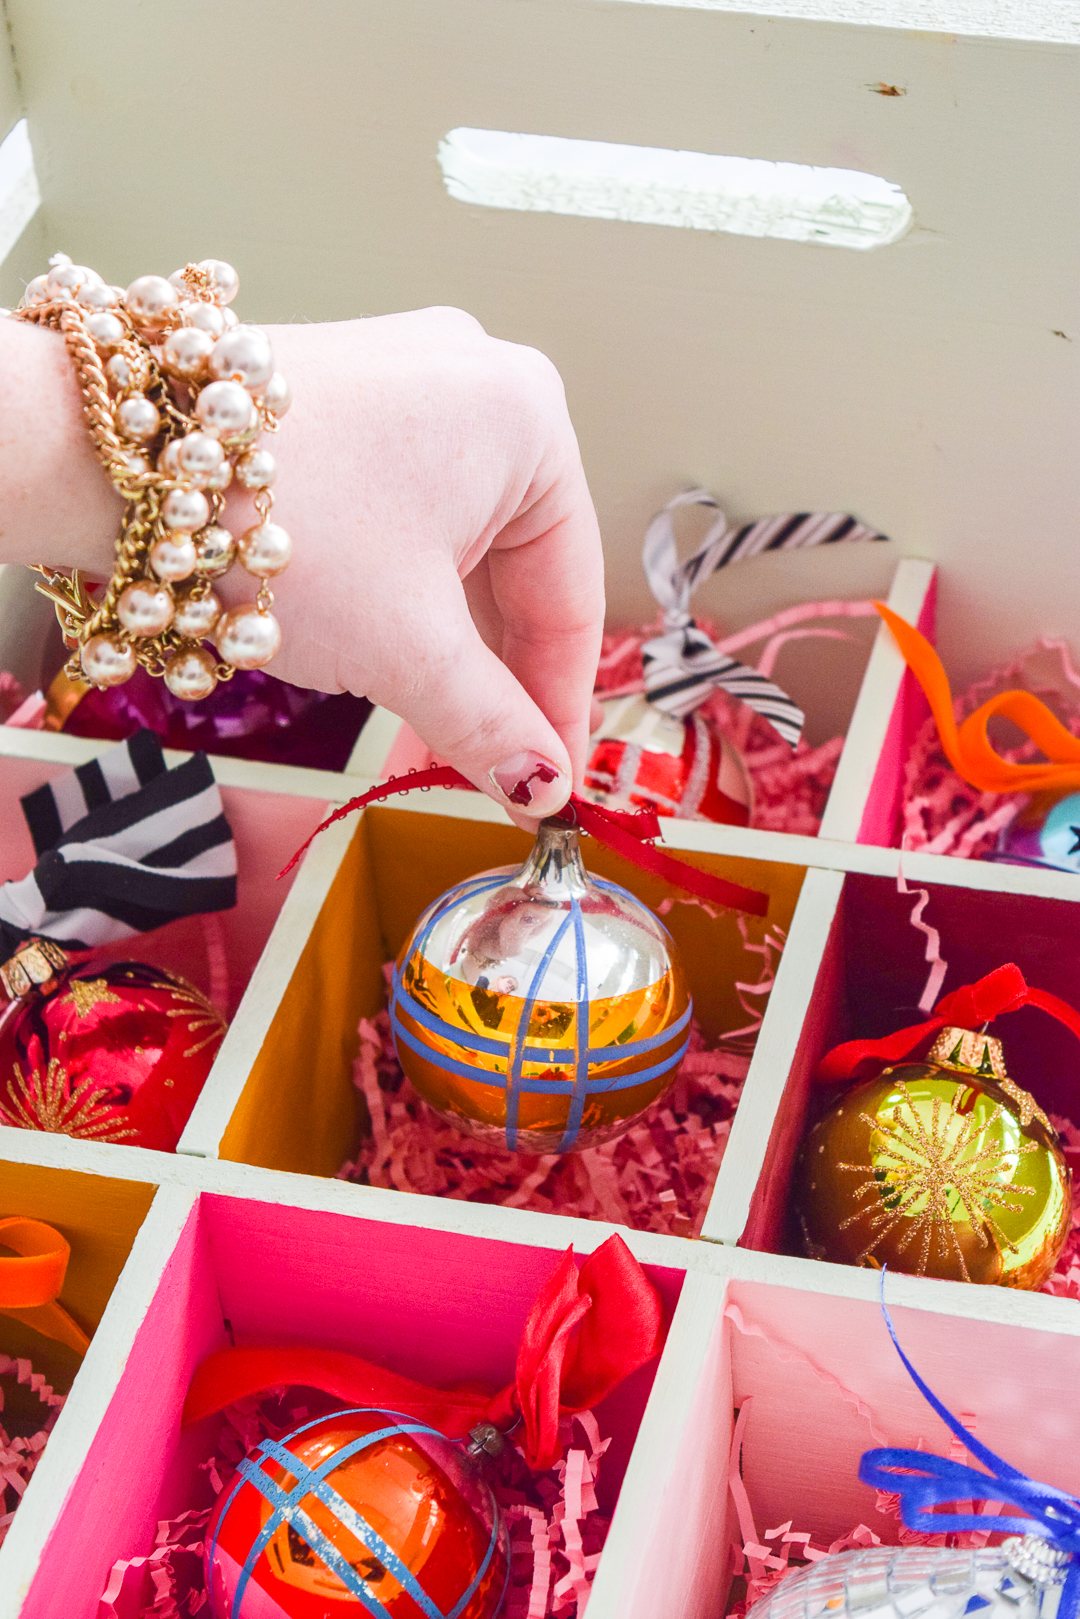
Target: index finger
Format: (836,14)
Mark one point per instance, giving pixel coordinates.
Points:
(547,578)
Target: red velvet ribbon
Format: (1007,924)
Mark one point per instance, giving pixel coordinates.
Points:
(623,833)
(586,1332)
(1003,990)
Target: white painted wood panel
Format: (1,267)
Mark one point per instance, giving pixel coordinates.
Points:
(673,1503)
(922,386)
(93,1389)
(211,1113)
(774,1053)
(54,747)
(877,699)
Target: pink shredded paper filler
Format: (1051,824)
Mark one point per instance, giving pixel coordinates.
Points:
(555,1527)
(20,1454)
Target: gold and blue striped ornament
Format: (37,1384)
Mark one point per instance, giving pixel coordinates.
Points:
(541,1008)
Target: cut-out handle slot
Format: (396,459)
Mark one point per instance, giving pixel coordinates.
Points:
(651,185)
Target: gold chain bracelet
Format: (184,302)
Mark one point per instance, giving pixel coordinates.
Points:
(176,392)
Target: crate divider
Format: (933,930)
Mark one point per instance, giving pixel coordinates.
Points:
(61,1478)
(221,1094)
(757,1131)
(809,1343)
(663,1557)
(864,799)
(372,747)
(65,752)
(524,1227)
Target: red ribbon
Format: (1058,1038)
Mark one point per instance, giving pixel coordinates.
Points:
(586,1332)
(623,833)
(1003,990)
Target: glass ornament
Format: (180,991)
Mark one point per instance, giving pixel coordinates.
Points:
(363,1511)
(1020,1579)
(642,758)
(115,1051)
(939,1168)
(540,1008)
(1049,839)
(252,716)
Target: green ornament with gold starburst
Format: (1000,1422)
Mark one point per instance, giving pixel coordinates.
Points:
(943,1168)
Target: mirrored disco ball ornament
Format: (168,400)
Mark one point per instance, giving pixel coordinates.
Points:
(1020,1579)
(642,758)
(540,1008)
(363,1511)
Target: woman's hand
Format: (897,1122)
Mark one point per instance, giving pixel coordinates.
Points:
(447,560)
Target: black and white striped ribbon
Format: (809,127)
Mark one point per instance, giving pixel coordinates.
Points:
(124,845)
(683,665)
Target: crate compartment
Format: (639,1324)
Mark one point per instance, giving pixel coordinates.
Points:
(216,953)
(99,1217)
(295,1106)
(863,974)
(267,827)
(435,1306)
(823,1384)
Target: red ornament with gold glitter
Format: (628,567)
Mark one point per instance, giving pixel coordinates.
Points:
(111,1052)
(107,1050)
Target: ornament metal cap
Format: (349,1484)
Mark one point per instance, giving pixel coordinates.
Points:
(969,1053)
(1037,1559)
(33,966)
(485,1440)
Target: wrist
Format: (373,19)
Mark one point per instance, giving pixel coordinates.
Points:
(56,503)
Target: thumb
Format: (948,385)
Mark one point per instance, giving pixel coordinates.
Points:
(463,701)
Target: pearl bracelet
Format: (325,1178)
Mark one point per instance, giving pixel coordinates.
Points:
(176,392)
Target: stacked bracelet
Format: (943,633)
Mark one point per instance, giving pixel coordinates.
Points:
(176,392)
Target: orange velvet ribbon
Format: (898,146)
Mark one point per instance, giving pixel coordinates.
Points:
(968,747)
(31,1279)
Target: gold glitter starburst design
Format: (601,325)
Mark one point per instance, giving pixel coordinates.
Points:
(916,1162)
(86,993)
(45,1101)
(1026,1105)
(201,1013)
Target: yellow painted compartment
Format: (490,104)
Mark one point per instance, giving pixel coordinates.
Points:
(99,1216)
(299,1110)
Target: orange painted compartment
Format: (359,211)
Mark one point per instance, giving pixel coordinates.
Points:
(298,1108)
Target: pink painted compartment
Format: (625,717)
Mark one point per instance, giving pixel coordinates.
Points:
(432,1305)
(869,983)
(881,816)
(267,827)
(820,1383)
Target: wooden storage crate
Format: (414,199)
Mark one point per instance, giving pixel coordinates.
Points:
(930,387)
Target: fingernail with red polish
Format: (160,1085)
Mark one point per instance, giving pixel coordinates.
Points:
(531,783)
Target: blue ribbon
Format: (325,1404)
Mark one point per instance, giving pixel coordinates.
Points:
(924,1482)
